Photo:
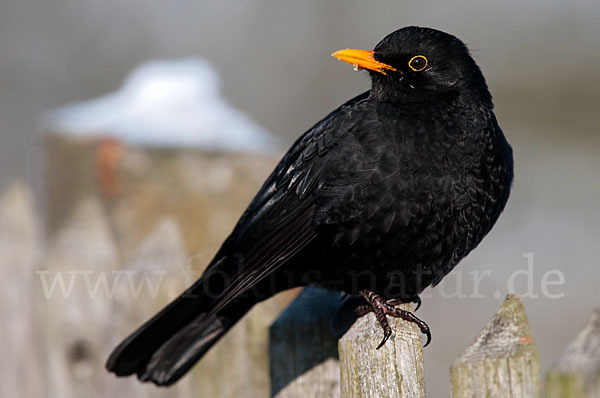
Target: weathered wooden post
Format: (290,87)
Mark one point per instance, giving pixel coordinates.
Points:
(576,374)
(76,286)
(182,150)
(20,332)
(503,359)
(199,167)
(204,191)
(303,349)
(393,371)
(152,276)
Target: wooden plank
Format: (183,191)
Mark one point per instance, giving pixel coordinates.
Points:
(150,278)
(20,332)
(502,361)
(78,311)
(576,374)
(303,349)
(393,371)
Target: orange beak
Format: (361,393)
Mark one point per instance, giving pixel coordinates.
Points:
(362,59)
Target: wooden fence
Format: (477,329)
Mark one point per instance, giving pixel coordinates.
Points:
(60,343)
(502,361)
(126,229)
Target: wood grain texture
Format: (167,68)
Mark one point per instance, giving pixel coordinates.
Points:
(502,361)
(393,371)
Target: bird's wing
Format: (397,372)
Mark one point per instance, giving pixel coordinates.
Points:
(278,223)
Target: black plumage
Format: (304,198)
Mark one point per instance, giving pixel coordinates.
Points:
(386,194)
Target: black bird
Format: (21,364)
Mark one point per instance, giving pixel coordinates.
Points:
(383,197)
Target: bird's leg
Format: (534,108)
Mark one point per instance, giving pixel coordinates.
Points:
(362,310)
(381,308)
(365,309)
(416,300)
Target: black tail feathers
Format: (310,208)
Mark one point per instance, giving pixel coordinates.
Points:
(169,344)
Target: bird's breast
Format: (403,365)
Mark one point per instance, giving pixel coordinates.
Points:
(420,197)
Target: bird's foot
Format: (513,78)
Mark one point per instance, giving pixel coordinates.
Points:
(381,308)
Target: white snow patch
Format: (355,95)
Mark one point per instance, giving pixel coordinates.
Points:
(167,103)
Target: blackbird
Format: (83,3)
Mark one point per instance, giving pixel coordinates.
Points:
(383,197)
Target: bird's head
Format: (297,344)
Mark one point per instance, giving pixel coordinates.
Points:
(415,64)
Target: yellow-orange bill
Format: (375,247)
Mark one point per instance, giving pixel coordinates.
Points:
(362,59)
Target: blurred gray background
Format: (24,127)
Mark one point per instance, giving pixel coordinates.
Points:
(540,58)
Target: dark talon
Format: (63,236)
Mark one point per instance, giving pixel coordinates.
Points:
(417,300)
(428,334)
(410,317)
(386,336)
(382,308)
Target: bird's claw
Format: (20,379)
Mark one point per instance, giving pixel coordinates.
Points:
(381,308)
(417,300)
(386,336)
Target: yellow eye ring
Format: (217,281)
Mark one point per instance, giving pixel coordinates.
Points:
(417,63)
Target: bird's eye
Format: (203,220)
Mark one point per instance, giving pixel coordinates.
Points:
(417,63)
